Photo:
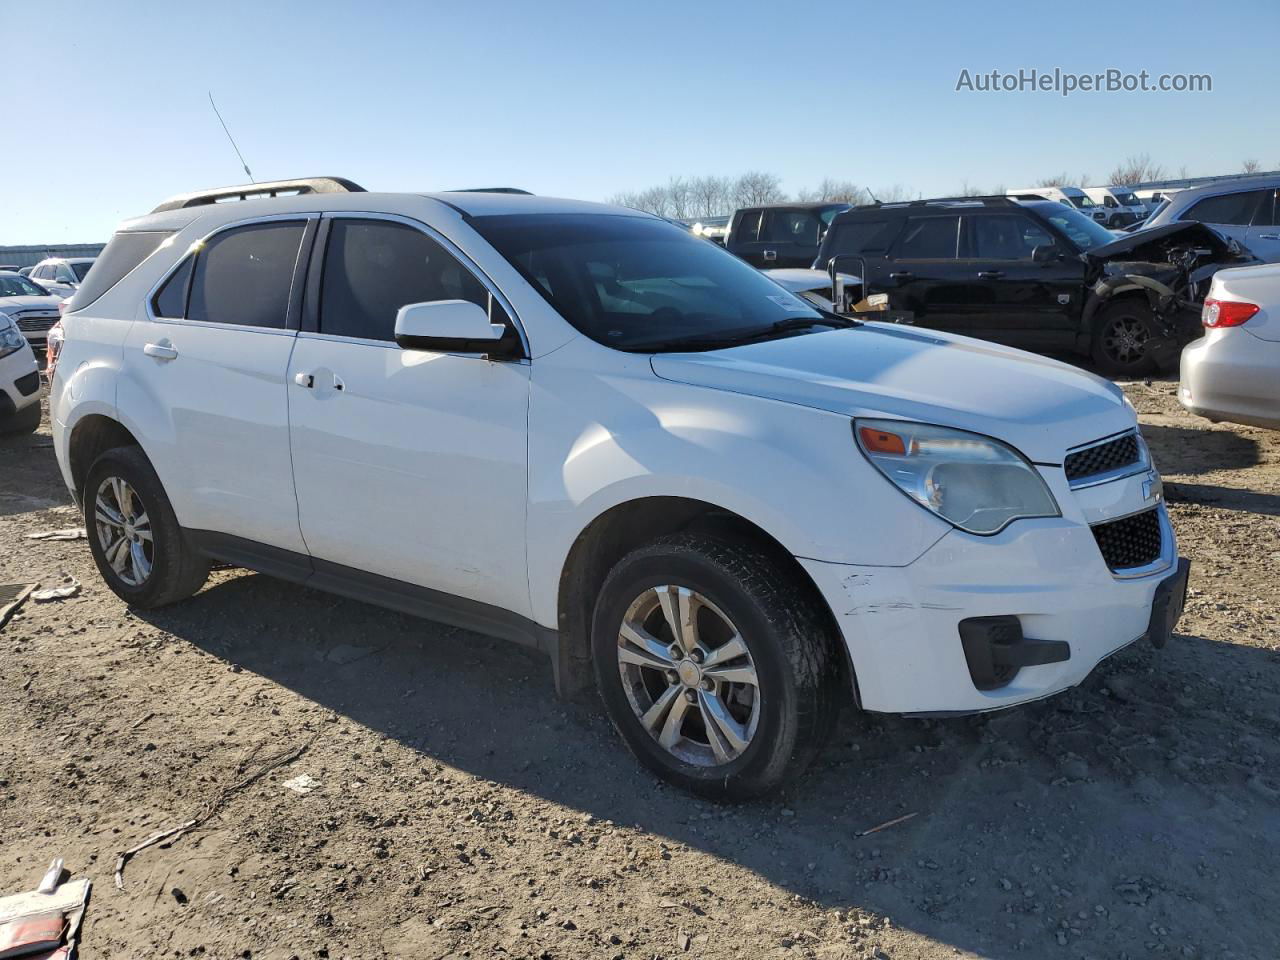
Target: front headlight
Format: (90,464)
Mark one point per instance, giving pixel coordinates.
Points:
(973,482)
(11,338)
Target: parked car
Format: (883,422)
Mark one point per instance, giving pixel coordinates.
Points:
(62,275)
(1119,205)
(1243,209)
(1233,372)
(1152,197)
(19,380)
(583,428)
(1034,274)
(9,268)
(1067,196)
(782,234)
(31,307)
(25,271)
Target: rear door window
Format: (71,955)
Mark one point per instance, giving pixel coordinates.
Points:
(1229,208)
(372,268)
(862,237)
(240,277)
(930,238)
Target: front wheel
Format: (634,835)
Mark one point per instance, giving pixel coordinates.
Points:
(719,671)
(1123,339)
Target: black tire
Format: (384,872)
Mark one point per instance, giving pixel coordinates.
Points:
(1122,339)
(792,647)
(176,569)
(25,421)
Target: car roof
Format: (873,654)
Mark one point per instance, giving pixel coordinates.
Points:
(67,260)
(481,204)
(1226,186)
(796,205)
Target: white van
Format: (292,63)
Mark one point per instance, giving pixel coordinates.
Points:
(1119,205)
(1152,197)
(1071,196)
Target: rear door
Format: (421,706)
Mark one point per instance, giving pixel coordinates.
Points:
(923,273)
(204,381)
(1263,236)
(789,238)
(1015,300)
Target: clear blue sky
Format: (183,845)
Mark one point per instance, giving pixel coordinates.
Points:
(108,111)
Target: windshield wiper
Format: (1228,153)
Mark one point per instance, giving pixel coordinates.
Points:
(706,341)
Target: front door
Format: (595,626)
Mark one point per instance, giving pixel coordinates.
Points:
(1015,300)
(409,465)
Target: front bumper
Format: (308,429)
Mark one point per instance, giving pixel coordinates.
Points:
(901,625)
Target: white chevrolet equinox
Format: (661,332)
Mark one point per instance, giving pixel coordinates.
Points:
(581,428)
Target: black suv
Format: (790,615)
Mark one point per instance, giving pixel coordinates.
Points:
(1033,274)
(781,234)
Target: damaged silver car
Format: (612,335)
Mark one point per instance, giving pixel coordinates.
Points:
(1030,274)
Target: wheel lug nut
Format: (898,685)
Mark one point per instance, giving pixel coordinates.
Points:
(697,656)
(708,684)
(672,677)
(691,696)
(676,652)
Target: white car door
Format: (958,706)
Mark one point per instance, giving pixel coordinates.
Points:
(408,465)
(204,382)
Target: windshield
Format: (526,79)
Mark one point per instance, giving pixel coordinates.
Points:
(636,283)
(1085,232)
(20,287)
(81,269)
(1082,202)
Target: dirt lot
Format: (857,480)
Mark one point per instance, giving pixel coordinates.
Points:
(461,811)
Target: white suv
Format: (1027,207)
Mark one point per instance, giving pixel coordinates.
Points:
(582,428)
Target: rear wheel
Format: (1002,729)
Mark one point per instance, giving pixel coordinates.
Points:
(134,536)
(720,674)
(1123,339)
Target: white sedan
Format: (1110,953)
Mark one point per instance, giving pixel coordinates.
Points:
(1233,372)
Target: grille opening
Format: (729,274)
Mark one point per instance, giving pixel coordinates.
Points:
(1102,458)
(1130,541)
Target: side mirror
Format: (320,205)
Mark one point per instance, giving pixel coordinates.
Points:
(447,326)
(1045,253)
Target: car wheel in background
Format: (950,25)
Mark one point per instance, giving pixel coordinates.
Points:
(27,420)
(141,551)
(1123,339)
(719,671)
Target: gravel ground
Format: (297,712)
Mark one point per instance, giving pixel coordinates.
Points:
(456,809)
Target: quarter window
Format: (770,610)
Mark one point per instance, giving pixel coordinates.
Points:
(930,238)
(372,268)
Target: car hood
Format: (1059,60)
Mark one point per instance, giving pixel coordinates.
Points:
(1129,244)
(800,280)
(29,303)
(1040,406)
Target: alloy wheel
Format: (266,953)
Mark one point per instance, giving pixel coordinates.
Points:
(688,676)
(1125,339)
(124,531)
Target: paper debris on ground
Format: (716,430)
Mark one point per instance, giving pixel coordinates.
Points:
(70,533)
(302,784)
(12,596)
(22,917)
(68,589)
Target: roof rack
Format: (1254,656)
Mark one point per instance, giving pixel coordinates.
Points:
(523,193)
(258,191)
(995,200)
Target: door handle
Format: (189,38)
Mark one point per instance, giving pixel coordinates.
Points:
(990,274)
(902,275)
(770,254)
(304,380)
(161,351)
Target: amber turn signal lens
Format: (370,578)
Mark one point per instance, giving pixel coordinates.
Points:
(881,441)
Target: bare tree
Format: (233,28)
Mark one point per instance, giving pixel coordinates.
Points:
(891,194)
(1136,168)
(711,196)
(1250,166)
(756,187)
(1057,180)
(834,191)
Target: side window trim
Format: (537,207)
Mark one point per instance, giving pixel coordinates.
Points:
(315,275)
(309,222)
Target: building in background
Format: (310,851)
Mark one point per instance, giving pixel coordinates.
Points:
(28,255)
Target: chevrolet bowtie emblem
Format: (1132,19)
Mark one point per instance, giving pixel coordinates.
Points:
(1152,487)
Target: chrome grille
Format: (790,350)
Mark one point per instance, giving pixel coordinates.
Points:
(1103,458)
(1130,542)
(35,322)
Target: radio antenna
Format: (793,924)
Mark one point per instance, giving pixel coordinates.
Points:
(231,138)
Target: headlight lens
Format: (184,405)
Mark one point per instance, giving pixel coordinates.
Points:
(978,484)
(11,338)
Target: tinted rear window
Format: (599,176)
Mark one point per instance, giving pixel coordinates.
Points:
(930,238)
(1230,208)
(748,228)
(117,261)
